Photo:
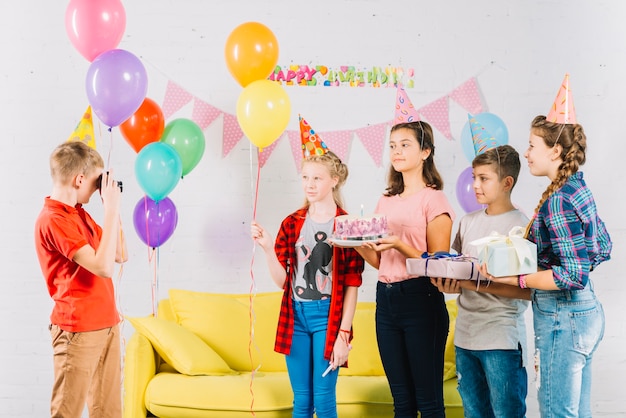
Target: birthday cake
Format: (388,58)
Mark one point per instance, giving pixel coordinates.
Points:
(360,228)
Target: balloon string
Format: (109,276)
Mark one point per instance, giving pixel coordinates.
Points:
(155,278)
(252,294)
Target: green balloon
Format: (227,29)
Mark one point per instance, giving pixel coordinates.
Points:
(187,139)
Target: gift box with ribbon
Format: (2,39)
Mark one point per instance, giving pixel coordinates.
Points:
(443,264)
(507,255)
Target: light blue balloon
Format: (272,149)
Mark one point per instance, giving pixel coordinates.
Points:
(158,169)
(493,124)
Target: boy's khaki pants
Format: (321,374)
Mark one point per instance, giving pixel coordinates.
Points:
(87,368)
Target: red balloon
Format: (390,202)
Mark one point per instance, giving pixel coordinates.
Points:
(146,125)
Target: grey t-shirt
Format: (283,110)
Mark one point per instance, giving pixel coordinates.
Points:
(313,278)
(488,322)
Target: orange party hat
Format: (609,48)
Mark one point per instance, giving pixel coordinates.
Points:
(312,144)
(562,110)
(405,111)
(84,130)
(482,138)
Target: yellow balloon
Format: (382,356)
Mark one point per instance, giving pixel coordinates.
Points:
(251,52)
(263,112)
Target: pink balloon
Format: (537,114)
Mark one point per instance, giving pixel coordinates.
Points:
(95,26)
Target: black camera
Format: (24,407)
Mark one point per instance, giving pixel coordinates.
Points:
(99,182)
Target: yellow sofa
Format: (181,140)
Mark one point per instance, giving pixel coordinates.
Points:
(200,358)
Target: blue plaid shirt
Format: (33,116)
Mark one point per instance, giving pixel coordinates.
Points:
(570,236)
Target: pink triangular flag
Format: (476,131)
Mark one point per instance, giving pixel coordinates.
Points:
(373,139)
(231,135)
(265,153)
(468,96)
(438,115)
(296,147)
(175,98)
(204,114)
(339,143)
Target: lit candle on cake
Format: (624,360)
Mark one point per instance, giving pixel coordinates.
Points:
(361,210)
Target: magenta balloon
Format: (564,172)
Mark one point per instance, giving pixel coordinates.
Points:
(155,222)
(116,86)
(465,191)
(95,26)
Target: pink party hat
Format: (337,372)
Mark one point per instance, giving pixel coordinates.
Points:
(312,144)
(405,111)
(562,110)
(482,138)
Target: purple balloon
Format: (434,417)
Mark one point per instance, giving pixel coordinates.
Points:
(116,86)
(465,191)
(154,221)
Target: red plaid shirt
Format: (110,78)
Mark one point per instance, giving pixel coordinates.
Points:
(347,268)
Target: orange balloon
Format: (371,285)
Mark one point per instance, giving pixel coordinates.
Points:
(144,126)
(251,52)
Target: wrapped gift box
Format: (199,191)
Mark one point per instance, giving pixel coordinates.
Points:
(509,255)
(450,266)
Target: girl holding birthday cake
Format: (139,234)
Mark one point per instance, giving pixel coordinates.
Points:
(411,316)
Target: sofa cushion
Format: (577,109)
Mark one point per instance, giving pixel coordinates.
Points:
(223,322)
(168,392)
(180,348)
(364,359)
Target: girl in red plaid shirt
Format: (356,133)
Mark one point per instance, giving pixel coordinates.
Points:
(320,285)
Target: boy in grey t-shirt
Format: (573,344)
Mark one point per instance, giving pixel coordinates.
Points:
(490,332)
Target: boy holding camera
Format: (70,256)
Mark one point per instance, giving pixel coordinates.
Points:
(77,258)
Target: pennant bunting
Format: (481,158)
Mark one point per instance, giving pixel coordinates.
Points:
(232,134)
(468,96)
(338,142)
(204,114)
(296,147)
(373,139)
(265,154)
(437,113)
(175,98)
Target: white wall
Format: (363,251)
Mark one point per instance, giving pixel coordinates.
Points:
(518,51)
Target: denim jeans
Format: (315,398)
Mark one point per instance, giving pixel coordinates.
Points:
(411,328)
(312,393)
(492,383)
(569,325)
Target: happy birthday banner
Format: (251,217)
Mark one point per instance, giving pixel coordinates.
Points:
(437,113)
(321,75)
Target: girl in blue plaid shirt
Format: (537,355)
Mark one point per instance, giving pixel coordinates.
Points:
(571,242)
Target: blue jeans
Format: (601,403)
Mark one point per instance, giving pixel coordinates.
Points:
(492,383)
(411,328)
(569,325)
(312,393)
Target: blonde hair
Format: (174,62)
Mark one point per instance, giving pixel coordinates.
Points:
(573,142)
(336,169)
(72,158)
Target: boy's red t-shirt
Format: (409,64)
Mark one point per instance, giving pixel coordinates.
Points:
(83,301)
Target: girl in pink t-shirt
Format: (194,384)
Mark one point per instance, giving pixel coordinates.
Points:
(411,317)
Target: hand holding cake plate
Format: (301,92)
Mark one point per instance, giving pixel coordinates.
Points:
(354,231)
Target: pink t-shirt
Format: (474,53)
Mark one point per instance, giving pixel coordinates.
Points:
(408,218)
